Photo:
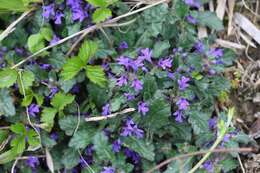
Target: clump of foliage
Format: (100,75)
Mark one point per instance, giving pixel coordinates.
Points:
(154,64)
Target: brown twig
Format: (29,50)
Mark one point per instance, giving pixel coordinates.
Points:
(183,156)
(100,118)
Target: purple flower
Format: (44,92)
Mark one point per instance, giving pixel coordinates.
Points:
(48,11)
(171,75)
(89,150)
(32,161)
(193,3)
(183,83)
(75,89)
(54,90)
(165,63)
(131,129)
(45,66)
(78,14)
(54,136)
(19,51)
(208,165)
(106,109)
(134,156)
(199,47)
(58,17)
(33,109)
(178,116)
(146,54)
(129,96)
(122,80)
(182,104)
(54,40)
(143,108)
(125,61)
(212,123)
(123,45)
(216,52)
(137,85)
(78,10)
(105,66)
(191,19)
(108,170)
(116,146)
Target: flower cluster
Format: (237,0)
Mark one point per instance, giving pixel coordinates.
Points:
(79,10)
(131,129)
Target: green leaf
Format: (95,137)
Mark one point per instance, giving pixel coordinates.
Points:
(6,103)
(35,42)
(149,87)
(39,98)
(26,80)
(68,124)
(18,144)
(87,50)
(97,94)
(160,48)
(33,138)
(47,117)
(101,14)
(181,8)
(96,75)
(199,121)
(46,33)
(181,131)
(157,117)
(13,5)
(209,19)
(7,77)
(228,164)
(28,98)
(99,3)
(146,150)
(82,138)
(71,68)
(18,128)
(102,147)
(70,158)
(3,135)
(60,100)
(7,156)
(180,166)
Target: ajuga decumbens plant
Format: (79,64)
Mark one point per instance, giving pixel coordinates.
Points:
(137,88)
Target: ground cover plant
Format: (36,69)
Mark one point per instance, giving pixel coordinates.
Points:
(114,86)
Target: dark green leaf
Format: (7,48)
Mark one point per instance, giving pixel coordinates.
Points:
(145,149)
(157,116)
(68,124)
(199,121)
(70,158)
(160,48)
(207,18)
(6,103)
(102,147)
(82,138)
